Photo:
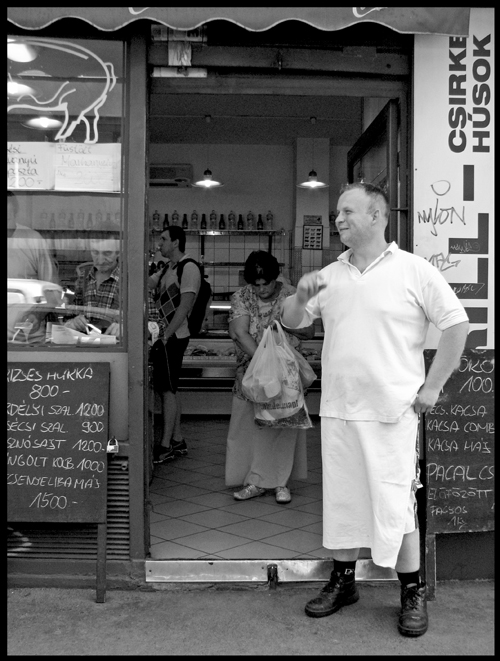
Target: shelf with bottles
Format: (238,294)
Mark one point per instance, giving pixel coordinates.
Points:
(191,232)
(215,224)
(235,232)
(76,224)
(218,263)
(76,231)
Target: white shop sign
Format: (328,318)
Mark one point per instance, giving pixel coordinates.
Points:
(454,167)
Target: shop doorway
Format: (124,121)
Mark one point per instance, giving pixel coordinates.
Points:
(377,158)
(198,532)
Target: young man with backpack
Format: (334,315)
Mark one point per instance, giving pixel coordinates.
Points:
(173,292)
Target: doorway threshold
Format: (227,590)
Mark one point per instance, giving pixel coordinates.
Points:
(256,571)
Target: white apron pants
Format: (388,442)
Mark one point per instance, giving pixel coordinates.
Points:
(369,469)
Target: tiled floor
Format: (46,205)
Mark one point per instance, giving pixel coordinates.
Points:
(196,517)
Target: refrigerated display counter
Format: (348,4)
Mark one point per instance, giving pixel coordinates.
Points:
(208,374)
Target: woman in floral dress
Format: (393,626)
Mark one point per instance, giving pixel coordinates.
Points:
(260,458)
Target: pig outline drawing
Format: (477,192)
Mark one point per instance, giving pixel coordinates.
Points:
(59,101)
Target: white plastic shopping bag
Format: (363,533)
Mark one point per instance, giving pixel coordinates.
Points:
(307,374)
(287,408)
(262,379)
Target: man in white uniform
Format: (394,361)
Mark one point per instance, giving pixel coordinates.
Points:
(376,303)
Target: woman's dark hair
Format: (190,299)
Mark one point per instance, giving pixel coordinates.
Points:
(261,265)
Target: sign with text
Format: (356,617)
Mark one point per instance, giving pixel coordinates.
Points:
(64,166)
(459,436)
(57,434)
(87,167)
(454,167)
(30,165)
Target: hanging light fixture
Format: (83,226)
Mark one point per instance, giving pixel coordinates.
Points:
(208,181)
(20,51)
(43,123)
(312,182)
(17,90)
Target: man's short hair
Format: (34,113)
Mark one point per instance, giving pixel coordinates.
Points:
(375,193)
(177,234)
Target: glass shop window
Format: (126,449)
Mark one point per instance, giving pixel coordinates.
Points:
(65,229)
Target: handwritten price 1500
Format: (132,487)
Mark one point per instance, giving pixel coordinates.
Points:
(42,500)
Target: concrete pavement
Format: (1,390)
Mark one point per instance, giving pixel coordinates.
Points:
(221,620)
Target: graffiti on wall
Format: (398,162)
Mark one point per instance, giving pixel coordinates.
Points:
(442,212)
(454,165)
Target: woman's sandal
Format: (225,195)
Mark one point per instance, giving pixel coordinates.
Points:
(283,495)
(250,491)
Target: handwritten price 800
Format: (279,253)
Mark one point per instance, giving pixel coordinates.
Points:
(85,409)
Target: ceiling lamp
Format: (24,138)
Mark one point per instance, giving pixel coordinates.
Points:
(312,182)
(43,123)
(208,181)
(18,89)
(18,51)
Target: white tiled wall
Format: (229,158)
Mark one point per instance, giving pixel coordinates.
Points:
(257,178)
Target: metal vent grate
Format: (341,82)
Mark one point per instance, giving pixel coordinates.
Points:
(78,541)
(177,175)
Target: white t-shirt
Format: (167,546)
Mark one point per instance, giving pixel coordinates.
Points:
(375,327)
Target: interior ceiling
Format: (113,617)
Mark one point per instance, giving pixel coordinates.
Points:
(253,119)
(270,119)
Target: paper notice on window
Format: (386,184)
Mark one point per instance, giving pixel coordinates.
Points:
(30,165)
(87,167)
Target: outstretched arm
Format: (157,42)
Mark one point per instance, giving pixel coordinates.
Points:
(294,306)
(446,360)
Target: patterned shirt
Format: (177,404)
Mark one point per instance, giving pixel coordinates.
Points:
(164,299)
(106,296)
(245,302)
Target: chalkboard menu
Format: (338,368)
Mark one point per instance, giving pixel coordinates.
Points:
(459,436)
(57,433)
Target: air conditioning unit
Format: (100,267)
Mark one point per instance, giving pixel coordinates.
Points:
(176,175)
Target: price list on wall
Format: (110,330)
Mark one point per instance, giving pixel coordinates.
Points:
(459,436)
(57,433)
(312,237)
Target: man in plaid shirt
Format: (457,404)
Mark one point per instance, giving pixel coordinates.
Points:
(97,289)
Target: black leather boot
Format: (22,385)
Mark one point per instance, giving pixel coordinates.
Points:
(340,591)
(413,620)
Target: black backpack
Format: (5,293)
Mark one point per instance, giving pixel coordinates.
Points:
(202,302)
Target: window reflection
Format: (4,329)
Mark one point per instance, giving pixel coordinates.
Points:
(97,287)
(64,197)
